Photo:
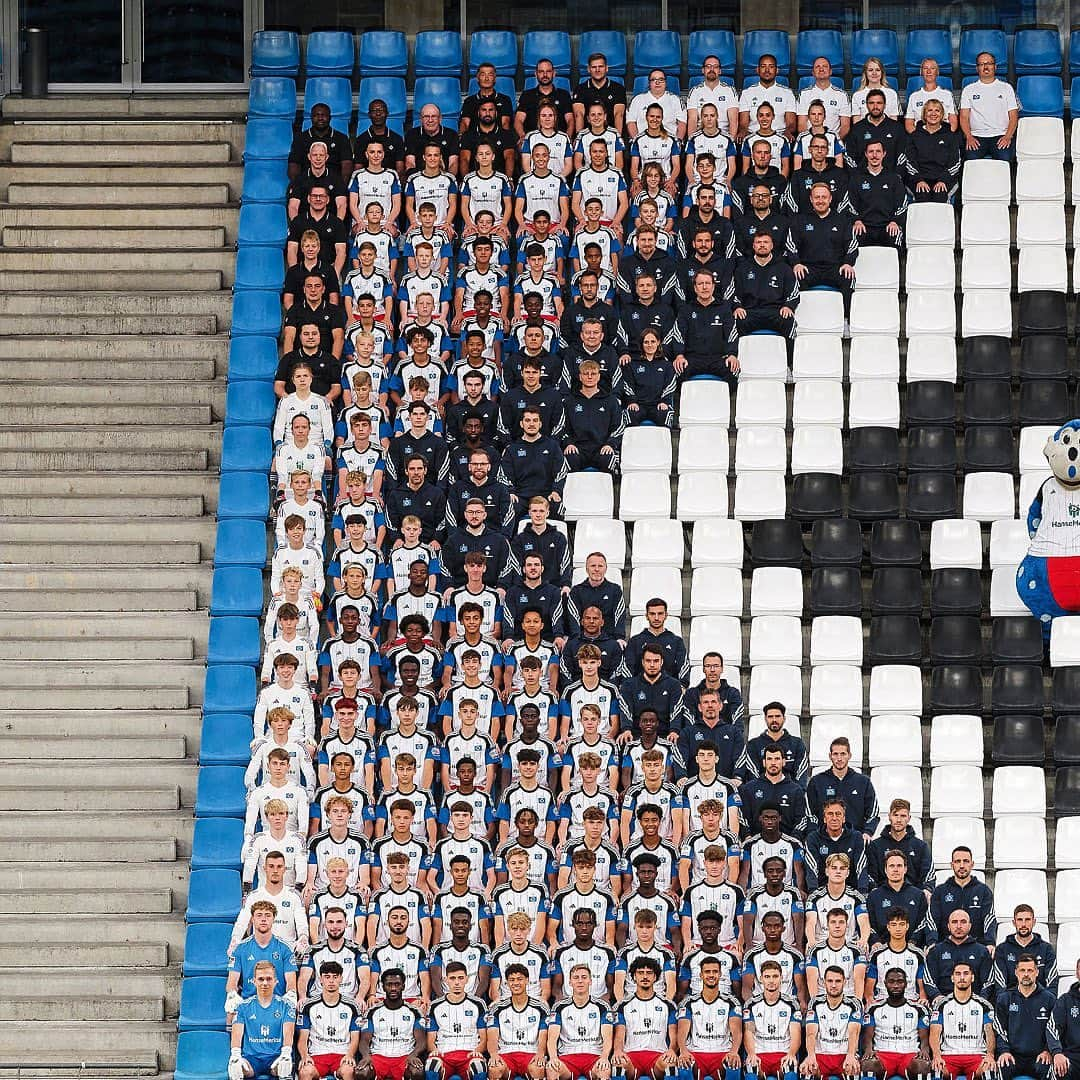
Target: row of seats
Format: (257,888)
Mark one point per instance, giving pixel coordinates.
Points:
(1035,51)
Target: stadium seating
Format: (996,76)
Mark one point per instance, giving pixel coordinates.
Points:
(384,52)
(275,52)
(437,52)
(553,45)
(330,53)
(702,43)
(811,44)
(758,42)
(498,47)
(878,42)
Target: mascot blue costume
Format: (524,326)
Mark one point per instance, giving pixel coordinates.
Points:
(1048,580)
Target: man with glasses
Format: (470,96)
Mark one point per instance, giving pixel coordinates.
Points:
(989,113)
(713,92)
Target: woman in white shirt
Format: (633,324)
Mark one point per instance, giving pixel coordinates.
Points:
(874,78)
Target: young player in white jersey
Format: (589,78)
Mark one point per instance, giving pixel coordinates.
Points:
(276,838)
(832,1027)
(580,1032)
(287,922)
(329,1030)
(895,1033)
(277,787)
(517,1031)
(772,1027)
(710,1026)
(961,1029)
(646,1028)
(457,1029)
(394,1035)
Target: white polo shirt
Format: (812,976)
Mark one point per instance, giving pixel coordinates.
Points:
(723,95)
(674,113)
(835,100)
(990,105)
(918,99)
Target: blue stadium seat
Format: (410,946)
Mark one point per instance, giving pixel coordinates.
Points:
(657,49)
(1074,52)
(810,44)
(928,44)
(273,96)
(275,52)
(384,52)
(915,81)
(259,267)
(984,39)
(246,448)
(213,894)
(641,84)
(205,944)
(266,138)
(333,91)
(218,842)
(758,42)
(388,88)
(220,791)
(234,639)
(252,358)
(237,590)
(440,90)
(202,1005)
(881,43)
(330,52)
(612,43)
(243,494)
(718,43)
(553,45)
(1037,51)
(503,85)
(241,541)
(226,740)
(437,52)
(256,311)
(1040,95)
(250,403)
(201,1055)
(263,225)
(265,181)
(498,47)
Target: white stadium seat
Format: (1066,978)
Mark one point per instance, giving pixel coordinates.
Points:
(829,726)
(1067,843)
(1029,488)
(716,633)
(874,356)
(762,356)
(1012,887)
(717,542)
(895,739)
(1040,181)
(646,449)
(703,448)
(600,534)
(953,832)
(716,590)
(760,496)
(1008,543)
(1004,599)
(931,225)
(899,782)
(650,581)
(1074,140)
(1068,946)
(1032,441)
(705,401)
(986,312)
(658,542)
(820,311)
(776,682)
(986,268)
(836,688)
(955,542)
(1018,789)
(1066,896)
(700,495)
(1065,641)
(816,449)
(759,449)
(836,639)
(956,791)
(776,590)
(930,268)
(648,495)
(819,401)
(1040,223)
(819,356)
(1020,841)
(931,357)
(956,740)
(1043,267)
(1040,138)
(895,688)
(989,496)
(775,639)
(589,494)
(873,403)
(985,223)
(875,312)
(930,311)
(762,403)
(879,268)
(987,181)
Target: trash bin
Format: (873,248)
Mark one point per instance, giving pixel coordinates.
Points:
(35,66)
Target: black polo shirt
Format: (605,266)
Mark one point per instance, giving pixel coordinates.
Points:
(338,146)
(294,277)
(330,317)
(445,138)
(609,95)
(501,138)
(530,101)
(325,369)
(393,145)
(330,179)
(470,107)
(331,229)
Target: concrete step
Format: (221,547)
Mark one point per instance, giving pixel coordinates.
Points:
(102,348)
(148,625)
(77,1041)
(102,649)
(104,773)
(111,153)
(144,392)
(196,576)
(168,696)
(116,303)
(68,173)
(94,375)
(90,954)
(129,240)
(108,324)
(144,437)
(102,553)
(131,825)
(84,462)
(62,674)
(81,849)
(79,901)
(76,413)
(150,262)
(142,929)
(118,193)
(46,1007)
(110,215)
(14,876)
(48,1064)
(133,109)
(93,505)
(129,599)
(195,530)
(91,746)
(55,799)
(136,482)
(94,280)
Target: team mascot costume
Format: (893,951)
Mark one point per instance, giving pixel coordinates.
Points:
(1048,580)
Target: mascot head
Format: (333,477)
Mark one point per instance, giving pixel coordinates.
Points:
(1062,451)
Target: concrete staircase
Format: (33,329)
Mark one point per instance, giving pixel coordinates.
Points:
(116,254)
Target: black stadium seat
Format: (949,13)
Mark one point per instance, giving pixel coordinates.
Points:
(955,639)
(1016,639)
(987,358)
(873,449)
(931,449)
(955,688)
(836,542)
(815,496)
(1065,696)
(989,448)
(1044,357)
(776,542)
(873,496)
(987,401)
(1017,688)
(835,590)
(895,543)
(897,590)
(1067,791)
(1044,401)
(955,590)
(1043,312)
(932,496)
(930,402)
(1018,739)
(1066,740)
(894,639)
